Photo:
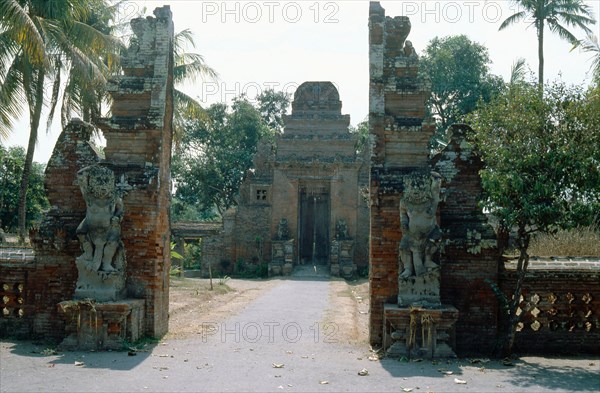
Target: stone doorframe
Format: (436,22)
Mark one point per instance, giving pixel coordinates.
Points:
(310,189)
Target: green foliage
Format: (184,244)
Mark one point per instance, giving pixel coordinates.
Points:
(362,129)
(12,161)
(251,269)
(175,254)
(541,156)
(216,152)
(42,42)
(459,72)
(272,106)
(193,255)
(181,211)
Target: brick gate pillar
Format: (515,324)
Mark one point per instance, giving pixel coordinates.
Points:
(138,149)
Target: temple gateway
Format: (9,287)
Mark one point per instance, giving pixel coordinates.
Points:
(305,200)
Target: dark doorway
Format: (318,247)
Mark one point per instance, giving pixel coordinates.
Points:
(314,227)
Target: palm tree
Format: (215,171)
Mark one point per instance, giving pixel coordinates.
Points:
(187,68)
(40,41)
(558,15)
(591,44)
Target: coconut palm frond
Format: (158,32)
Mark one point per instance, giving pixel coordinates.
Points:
(517,70)
(15,21)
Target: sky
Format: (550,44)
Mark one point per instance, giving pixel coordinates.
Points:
(255,45)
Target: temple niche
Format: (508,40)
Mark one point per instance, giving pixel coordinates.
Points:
(303,203)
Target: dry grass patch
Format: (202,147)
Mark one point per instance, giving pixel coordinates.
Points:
(578,242)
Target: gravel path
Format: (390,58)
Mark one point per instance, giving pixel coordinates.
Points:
(284,340)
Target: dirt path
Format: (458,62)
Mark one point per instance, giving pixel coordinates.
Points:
(191,302)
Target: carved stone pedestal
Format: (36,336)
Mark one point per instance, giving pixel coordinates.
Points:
(342,263)
(423,290)
(282,257)
(101,326)
(419,332)
(99,285)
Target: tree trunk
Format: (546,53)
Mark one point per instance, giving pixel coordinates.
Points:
(35,114)
(541,56)
(513,318)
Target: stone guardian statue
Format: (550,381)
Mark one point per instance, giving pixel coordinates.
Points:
(100,231)
(420,233)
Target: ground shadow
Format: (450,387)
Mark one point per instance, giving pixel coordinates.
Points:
(561,374)
(46,352)
(565,374)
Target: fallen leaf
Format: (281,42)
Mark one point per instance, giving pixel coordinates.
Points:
(460,381)
(324,382)
(277,365)
(78,363)
(363,372)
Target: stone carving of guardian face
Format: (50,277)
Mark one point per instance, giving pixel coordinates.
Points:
(420,232)
(100,231)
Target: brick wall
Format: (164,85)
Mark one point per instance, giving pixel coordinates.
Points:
(50,278)
(560,307)
(470,255)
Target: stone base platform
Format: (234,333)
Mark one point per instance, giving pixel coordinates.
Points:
(418,331)
(101,326)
